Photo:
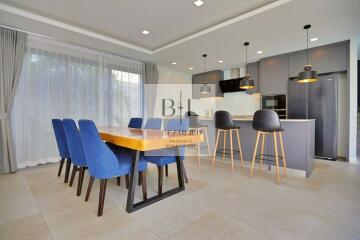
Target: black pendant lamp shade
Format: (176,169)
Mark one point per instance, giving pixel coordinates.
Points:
(205,88)
(308,75)
(247,82)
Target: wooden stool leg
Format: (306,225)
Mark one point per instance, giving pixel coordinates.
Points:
(207,140)
(283,153)
(160,178)
(224,146)
(198,146)
(255,151)
(262,149)
(231,151)
(276,159)
(216,144)
(80,180)
(240,148)
(67,170)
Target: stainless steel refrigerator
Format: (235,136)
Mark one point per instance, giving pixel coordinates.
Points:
(317,101)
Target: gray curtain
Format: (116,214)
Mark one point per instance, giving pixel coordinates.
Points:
(151,79)
(12,50)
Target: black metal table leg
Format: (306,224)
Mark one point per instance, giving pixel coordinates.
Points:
(131,206)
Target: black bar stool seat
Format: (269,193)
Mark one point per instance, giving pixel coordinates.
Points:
(224,123)
(267,122)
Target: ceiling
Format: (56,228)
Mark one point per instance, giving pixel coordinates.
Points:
(180,32)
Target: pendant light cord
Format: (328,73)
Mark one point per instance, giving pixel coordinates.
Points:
(307,46)
(246,60)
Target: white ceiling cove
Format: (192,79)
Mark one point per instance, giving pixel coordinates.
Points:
(180,32)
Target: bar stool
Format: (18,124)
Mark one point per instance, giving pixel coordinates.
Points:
(268,122)
(224,123)
(197,127)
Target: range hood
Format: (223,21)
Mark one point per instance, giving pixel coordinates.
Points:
(233,84)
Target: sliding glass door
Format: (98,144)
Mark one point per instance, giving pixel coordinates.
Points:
(63,81)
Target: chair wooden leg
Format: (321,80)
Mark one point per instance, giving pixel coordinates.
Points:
(240,148)
(61,166)
(102,196)
(262,149)
(67,170)
(231,151)
(91,181)
(118,181)
(254,155)
(139,179)
(127,181)
(166,170)
(276,159)
(198,147)
(216,144)
(207,140)
(73,173)
(80,180)
(224,146)
(283,153)
(143,183)
(160,178)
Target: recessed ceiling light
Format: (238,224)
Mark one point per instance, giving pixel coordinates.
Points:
(313,39)
(220,61)
(174,63)
(191,68)
(145,32)
(260,52)
(198,3)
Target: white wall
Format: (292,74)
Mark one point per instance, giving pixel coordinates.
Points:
(169,76)
(354,45)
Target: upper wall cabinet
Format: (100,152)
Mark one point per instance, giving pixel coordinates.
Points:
(326,59)
(273,75)
(212,78)
(253,70)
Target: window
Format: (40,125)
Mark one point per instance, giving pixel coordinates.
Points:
(63,81)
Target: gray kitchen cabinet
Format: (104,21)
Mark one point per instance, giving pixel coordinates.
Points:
(253,70)
(324,59)
(273,75)
(212,78)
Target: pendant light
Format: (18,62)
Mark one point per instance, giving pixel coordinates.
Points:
(247,82)
(308,75)
(205,88)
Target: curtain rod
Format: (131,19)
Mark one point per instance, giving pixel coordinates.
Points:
(68,42)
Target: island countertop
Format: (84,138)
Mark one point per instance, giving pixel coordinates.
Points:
(298,137)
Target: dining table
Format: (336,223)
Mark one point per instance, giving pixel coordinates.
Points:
(143,141)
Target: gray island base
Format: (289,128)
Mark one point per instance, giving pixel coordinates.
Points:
(298,137)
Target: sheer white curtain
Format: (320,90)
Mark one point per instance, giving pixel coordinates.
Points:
(60,80)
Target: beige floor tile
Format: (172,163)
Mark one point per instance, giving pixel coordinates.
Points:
(27,228)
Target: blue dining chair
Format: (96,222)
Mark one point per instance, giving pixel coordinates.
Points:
(153,123)
(104,164)
(135,123)
(76,151)
(62,147)
(163,157)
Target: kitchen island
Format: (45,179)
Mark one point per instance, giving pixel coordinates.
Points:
(298,137)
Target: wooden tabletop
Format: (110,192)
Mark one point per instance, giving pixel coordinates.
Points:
(146,139)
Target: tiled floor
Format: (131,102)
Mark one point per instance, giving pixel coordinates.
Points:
(35,204)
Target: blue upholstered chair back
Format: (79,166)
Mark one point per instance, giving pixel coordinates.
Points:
(74,142)
(153,123)
(177,125)
(135,123)
(60,138)
(101,161)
